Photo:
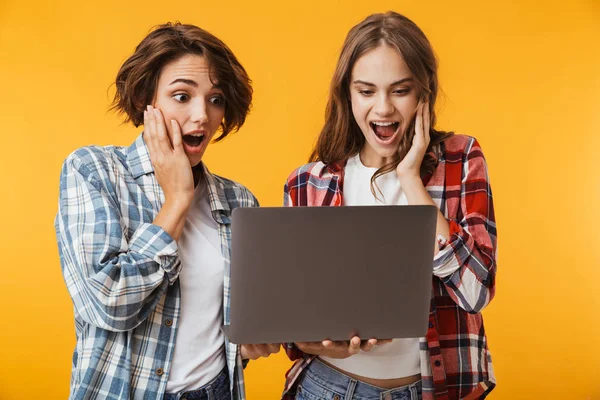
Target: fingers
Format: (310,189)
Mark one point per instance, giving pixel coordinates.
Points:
(426,122)
(354,346)
(255,351)
(418,122)
(273,348)
(337,349)
(369,344)
(161,132)
(177,140)
(150,128)
(262,350)
(310,347)
(421,138)
(148,134)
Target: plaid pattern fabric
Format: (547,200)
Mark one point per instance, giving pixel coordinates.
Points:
(455,361)
(121,271)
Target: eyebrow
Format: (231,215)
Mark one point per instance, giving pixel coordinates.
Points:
(359,82)
(186,81)
(191,83)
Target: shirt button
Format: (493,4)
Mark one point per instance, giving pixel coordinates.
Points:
(168,322)
(159,371)
(336,397)
(437,363)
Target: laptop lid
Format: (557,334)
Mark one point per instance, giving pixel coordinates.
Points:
(315,273)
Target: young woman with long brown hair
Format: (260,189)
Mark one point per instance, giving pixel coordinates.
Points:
(379,145)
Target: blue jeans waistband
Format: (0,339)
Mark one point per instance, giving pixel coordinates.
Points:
(217,389)
(321,381)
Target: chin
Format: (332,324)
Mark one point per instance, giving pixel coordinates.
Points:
(194,161)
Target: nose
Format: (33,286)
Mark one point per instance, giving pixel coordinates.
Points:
(383,106)
(199,113)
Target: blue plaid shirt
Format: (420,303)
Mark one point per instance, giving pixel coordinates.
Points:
(121,271)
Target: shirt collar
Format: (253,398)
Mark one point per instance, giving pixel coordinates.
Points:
(217,196)
(138,158)
(333,170)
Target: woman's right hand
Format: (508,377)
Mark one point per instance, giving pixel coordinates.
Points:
(172,170)
(171,165)
(341,349)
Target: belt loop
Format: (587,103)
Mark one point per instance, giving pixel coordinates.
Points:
(414,393)
(350,391)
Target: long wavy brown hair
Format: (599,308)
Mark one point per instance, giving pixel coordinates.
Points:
(341,137)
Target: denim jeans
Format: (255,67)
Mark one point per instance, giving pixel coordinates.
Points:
(217,389)
(321,382)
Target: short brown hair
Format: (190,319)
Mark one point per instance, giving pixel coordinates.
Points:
(341,138)
(138,77)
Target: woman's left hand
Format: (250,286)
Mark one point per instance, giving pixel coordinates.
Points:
(255,351)
(410,166)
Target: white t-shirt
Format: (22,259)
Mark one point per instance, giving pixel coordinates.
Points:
(400,358)
(199,346)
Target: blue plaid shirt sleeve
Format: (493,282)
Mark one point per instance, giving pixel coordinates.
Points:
(114,280)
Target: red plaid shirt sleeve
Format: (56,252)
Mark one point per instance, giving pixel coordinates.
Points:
(467,264)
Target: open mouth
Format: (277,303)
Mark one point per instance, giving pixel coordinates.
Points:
(384,130)
(193,140)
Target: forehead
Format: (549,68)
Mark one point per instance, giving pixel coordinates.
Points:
(190,66)
(383,64)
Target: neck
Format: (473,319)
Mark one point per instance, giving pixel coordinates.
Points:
(198,173)
(373,160)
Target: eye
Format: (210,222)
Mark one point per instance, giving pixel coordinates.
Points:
(366,93)
(217,100)
(181,97)
(401,91)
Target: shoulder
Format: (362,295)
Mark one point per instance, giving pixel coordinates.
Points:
(463,159)
(93,160)
(236,192)
(310,172)
(461,146)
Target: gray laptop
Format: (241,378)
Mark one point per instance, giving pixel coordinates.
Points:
(314,273)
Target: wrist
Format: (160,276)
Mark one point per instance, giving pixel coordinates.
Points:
(409,179)
(177,205)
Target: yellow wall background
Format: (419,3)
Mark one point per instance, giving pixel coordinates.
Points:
(523,77)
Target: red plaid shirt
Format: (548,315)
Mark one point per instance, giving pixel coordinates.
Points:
(455,361)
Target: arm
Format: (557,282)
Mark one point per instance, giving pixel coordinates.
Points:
(416,194)
(466,263)
(114,282)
